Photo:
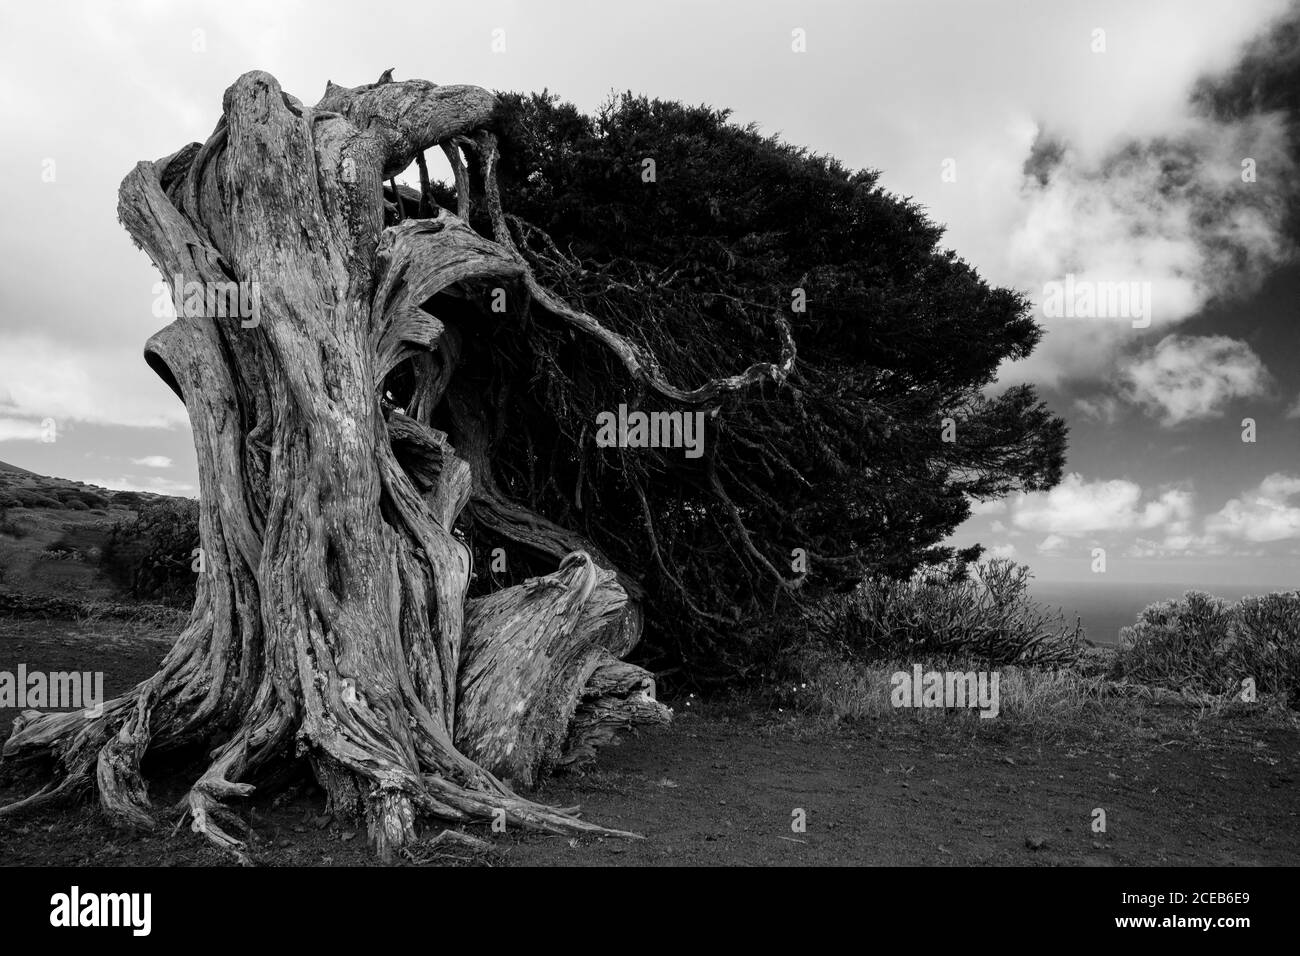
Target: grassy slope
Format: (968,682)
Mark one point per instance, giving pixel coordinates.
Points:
(32,534)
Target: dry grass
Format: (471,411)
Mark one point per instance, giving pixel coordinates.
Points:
(847,691)
(1047,699)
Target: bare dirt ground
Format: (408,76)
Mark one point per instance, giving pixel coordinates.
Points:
(720,787)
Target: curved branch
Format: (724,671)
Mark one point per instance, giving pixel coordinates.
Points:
(409,116)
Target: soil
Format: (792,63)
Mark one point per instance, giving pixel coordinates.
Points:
(723,785)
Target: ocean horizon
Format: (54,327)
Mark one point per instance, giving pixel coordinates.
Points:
(1106,606)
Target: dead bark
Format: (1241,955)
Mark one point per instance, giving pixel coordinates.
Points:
(331,621)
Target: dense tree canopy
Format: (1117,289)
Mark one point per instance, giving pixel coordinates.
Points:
(697,238)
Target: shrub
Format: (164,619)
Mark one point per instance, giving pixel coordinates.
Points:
(1265,642)
(76,504)
(34,499)
(150,554)
(87,498)
(9,526)
(1204,644)
(985,615)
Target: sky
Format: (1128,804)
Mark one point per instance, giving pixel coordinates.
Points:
(1069,149)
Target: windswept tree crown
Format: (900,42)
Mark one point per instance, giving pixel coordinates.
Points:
(702,241)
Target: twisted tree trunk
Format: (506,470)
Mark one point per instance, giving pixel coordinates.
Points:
(331,620)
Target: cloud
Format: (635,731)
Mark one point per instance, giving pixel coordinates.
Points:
(1077,507)
(153,461)
(1172,511)
(1001,551)
(1186,378)
(1266,513)
(1294,410)
(1180,546)
(19,429)
(1163,525)
(107,386)
(1053,544)
(1101,408)
(1201,205)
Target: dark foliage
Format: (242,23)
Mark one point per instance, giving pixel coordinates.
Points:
(151,554)
(8,525)
(987,618)
(1202,643)
(846,461)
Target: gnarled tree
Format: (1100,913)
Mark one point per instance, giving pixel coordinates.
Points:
(339,438)
(422,385)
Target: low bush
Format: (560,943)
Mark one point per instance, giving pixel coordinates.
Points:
(150,555)
(1201,643)
(984,616)
(34,499)
(10,525)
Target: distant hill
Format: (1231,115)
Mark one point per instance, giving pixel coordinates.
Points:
(53,531)
(18,486)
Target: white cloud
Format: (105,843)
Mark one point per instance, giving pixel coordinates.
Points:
(1052,544)
(1078,509)
(1263,514)
(1294,410)
(1171,511)
(1101,408)
(1179,546)
(1001,551)
(1185,378)
(96,385)
(20,429)
(153,461)
(1165,207)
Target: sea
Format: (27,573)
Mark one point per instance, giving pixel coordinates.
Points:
(1106,606)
